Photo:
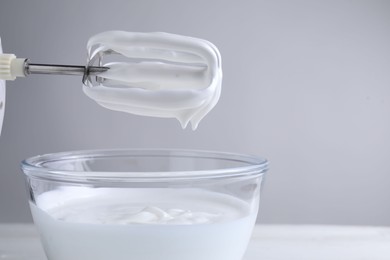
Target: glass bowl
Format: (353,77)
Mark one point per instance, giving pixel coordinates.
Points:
(144,204)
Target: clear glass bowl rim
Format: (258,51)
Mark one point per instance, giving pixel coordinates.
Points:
(33,167)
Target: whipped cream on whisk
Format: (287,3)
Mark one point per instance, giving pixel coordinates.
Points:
(2,94)
(166,75)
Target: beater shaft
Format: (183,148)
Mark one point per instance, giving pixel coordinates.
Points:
(52,69)
(12,67)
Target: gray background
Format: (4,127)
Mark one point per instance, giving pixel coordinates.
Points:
(306,84)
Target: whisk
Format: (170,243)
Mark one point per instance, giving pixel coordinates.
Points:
(165,75)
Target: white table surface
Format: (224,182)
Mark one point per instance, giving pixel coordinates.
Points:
(269,242)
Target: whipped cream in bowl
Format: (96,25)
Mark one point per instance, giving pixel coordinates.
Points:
(144,204)
(163,75)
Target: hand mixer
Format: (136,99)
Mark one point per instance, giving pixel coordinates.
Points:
(165,75)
